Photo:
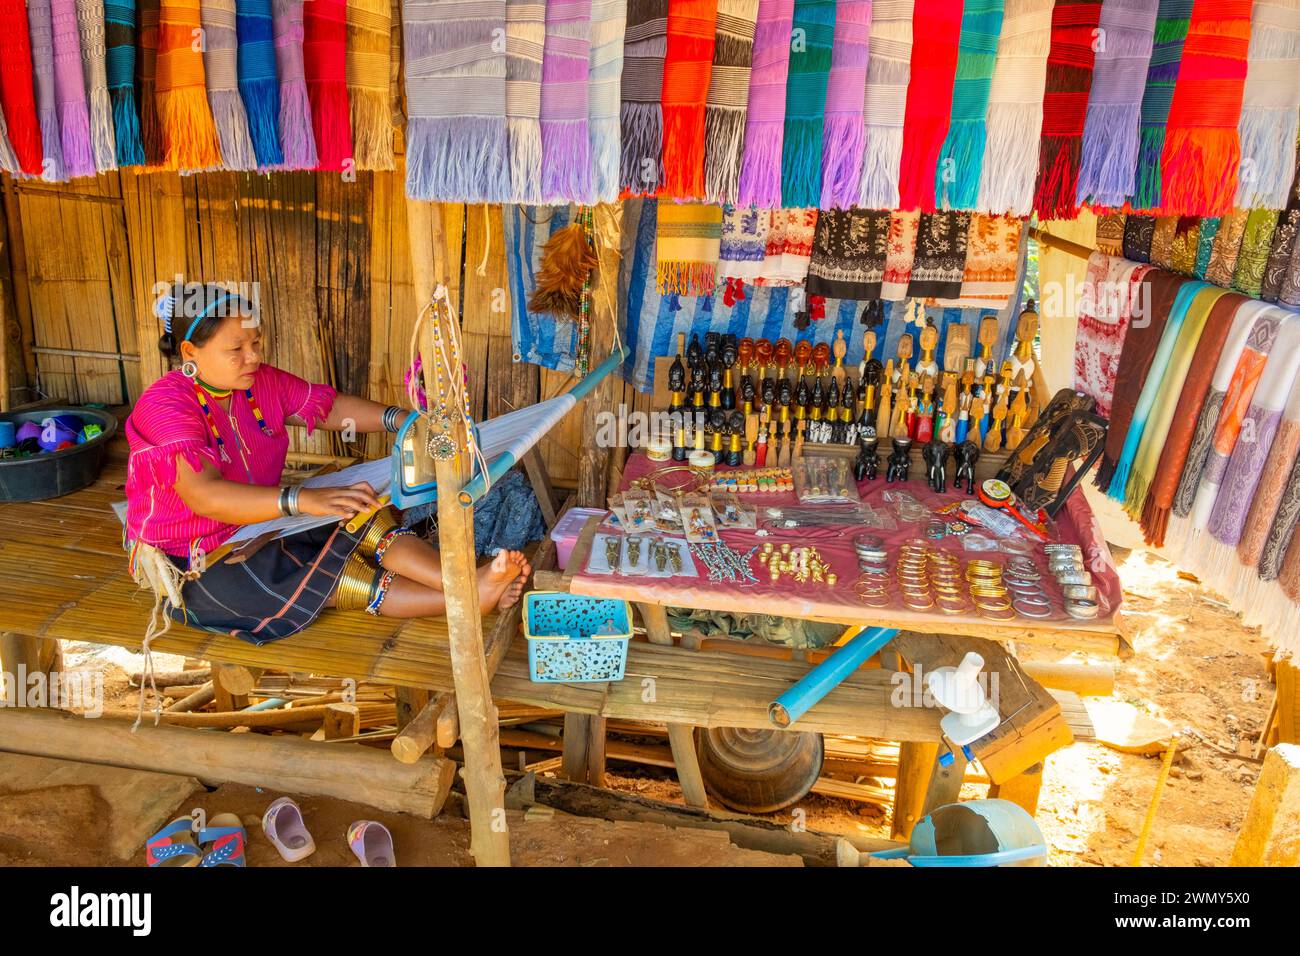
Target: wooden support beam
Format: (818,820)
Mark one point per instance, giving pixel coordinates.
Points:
(341,720)
(915,764)
(410,702)
(1270,835)
(1022,789)
(484,784)
(945,783)
(681,738)
(593,470)
(199,699)
(577,738)
(655,617)
(21,659)
(417,735)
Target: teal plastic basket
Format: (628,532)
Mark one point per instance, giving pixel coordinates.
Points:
(574,639)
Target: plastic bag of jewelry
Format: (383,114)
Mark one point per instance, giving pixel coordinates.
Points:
(730,512)
(606,554)
(978,542)
(877,519)
(795,516)
(669,558)
(825,479)
(636,554)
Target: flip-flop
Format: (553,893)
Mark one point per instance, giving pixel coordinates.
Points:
(371,843)
(226,834)
(173,845)
(283,825)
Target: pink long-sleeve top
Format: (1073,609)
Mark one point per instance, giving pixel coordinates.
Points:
(168,425)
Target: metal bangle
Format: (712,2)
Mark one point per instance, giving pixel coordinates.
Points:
(294,492)
(284,501)
(390,417)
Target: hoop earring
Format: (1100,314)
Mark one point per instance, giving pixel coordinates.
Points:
(190,370)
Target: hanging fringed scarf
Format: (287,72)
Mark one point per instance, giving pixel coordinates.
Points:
(297,138)
(1202,150)
(936,28)
(961,159)
(525,39)
(993,252)
(367,67)
(47,108)
(120,36)
(90,28)
(1015,114)
(70,92)
(608,20)
(8,160)
(744,245)
(1225,331)
(1252,258)
(843,139)
(790,237)
(688,243)
(692,25)
(889,67)
(848,254)
(189,136)
(760,164)
(1173,17)
(724,111)
(1105,310)
(940,259)
(456,147)
(1065,107)
(805,102)
(146,81)
(258,85)
(566,141)
(1108,169)
(1139,233)
(641,115)
(900,254)
(324,60)
(221,76)
(17,96)
(1270,105)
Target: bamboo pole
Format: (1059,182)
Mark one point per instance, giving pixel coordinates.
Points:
(485,784)
(593,475)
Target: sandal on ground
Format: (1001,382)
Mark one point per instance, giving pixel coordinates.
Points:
(173,845)
(283,825)
(371,843)
(226,837)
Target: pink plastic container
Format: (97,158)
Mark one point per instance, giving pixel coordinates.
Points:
(566,531)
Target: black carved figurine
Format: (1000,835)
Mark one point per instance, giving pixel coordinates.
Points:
(900,460)
(967,454)
(935,455)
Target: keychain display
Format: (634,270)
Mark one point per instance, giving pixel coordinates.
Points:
(697,519)
(730,512)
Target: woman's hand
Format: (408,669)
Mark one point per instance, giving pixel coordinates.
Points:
(342,502)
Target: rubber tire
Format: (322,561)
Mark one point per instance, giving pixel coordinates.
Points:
(758,771)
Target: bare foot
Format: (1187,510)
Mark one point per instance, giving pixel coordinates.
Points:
(501,581)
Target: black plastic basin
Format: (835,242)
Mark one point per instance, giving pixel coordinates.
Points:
(52,474)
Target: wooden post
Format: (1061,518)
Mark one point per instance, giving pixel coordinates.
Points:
(1270,835)
(945,783)
(485,784)
(915,763)
(341,720)
(577,742)
(23,657)
(593,472)
(682,739)
(656,623)
(1022,789)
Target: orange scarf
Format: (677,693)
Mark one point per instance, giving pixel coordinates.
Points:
(189,134)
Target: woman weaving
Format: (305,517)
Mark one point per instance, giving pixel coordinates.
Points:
(207,449)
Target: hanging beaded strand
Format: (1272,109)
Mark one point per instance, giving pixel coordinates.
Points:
(582,354)
(212,424)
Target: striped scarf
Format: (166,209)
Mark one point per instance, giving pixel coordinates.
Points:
(1252,258)
(103,139)
(724,112)
(189,135)
(940,261)
(456,134)
(961,160)
(1108,169)
(1270,102)
(760,164)
(367,66)
(258,84)
(1258,542)
(641,115)
(688,244)
(1202,150)
(221,74)
(17,96)
(119,34)
(805,103)
(1225,331)
(1015,113)
(936,28)
(1173,17)
(47,110)
(889,68)
(525,38)
(566,140)
(146,81)
(70,92)
(843,141)
(608,20)
(324,60)
(1065,107)
(297,140)
(692,27)
(848,255)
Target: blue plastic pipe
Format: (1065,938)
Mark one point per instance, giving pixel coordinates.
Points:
(828,675)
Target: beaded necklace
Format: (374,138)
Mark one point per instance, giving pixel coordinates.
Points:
(202,390)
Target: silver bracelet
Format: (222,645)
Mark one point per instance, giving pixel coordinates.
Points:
(284,501)
(390,417)
(294,492)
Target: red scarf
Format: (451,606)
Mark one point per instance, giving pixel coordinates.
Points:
(16,94)
(692,26)
(324,54)
(936,31)
(1065,107)
(1202,149)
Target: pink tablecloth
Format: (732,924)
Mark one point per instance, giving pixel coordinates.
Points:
(1075,524)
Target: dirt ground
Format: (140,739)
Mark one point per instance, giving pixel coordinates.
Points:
(1195,667)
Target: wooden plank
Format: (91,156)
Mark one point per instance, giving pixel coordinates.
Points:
(681,738)
(1270,834)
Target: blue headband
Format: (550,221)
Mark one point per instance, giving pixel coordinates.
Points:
(202,315)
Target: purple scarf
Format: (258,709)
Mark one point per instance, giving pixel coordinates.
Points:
(41,31)
(566,143)
(297,141)
(70,91)
(1108,168)
(844,137)
(760,170)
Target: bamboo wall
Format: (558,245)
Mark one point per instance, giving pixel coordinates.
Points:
(332,265)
